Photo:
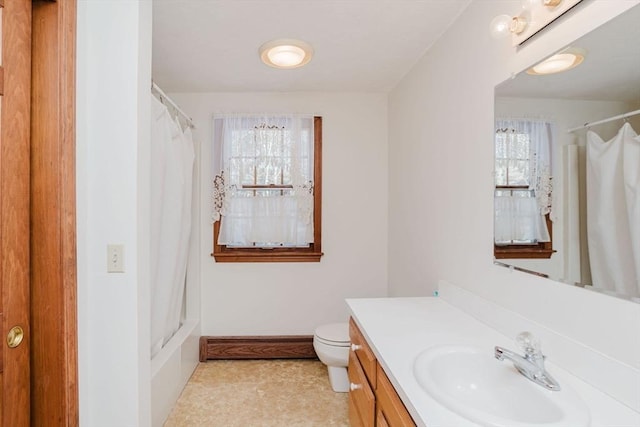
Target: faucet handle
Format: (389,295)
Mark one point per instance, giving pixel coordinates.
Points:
(528,343)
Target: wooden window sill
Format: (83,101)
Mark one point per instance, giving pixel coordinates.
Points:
(267,256)
(524,252)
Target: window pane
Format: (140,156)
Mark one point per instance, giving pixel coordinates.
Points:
(286,171)
(512,159)
(268,171)
(523,193)
(246,144)
(520,147)
(248,169)
(305,165)
(518,172)
(501,171)
(501,146)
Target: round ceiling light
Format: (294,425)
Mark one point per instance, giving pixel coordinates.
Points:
(557,63)
(286,53)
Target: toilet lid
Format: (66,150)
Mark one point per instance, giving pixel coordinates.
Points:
(334,332)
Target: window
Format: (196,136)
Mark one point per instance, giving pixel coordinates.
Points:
(522,195)
(267,188)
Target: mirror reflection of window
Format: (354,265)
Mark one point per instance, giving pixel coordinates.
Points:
(512,158)
(522,189)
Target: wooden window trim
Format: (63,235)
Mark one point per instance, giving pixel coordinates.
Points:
(221,253)
(542,250)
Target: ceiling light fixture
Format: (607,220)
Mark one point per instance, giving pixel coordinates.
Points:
(559,62)
(286,53)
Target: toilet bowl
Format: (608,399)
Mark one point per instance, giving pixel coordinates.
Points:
(331,343)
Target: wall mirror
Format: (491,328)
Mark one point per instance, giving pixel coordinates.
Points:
(567,196)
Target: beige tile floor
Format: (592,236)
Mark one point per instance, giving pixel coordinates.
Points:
(260,393)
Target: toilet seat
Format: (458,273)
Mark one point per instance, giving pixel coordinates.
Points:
(334,334)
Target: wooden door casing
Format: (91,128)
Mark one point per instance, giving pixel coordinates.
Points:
(14,208)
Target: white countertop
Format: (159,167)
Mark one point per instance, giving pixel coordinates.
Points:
(399,329)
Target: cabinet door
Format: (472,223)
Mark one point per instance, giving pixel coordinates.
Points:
(389,404)
(354,416)
(363,398)
(381,421)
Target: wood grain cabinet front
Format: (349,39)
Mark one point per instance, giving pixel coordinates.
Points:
(361,349)
(389,405)
(373,401)
(361,394)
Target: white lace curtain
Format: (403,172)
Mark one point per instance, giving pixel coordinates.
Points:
(519,217)
(263,185)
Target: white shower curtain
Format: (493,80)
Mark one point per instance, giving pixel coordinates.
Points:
(172,158)
(613,211)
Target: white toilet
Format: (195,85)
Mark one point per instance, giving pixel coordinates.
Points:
(331,343)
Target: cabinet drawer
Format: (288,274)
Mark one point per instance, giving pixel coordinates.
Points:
(363,398)
(362,350)
(389,403)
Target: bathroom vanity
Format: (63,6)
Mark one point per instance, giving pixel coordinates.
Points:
(372,398)
(389,335)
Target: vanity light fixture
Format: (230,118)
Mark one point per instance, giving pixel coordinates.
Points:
(563,61)
(286,53)
(503,25)
(529,4)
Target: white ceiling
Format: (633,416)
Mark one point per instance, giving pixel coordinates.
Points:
(360,45)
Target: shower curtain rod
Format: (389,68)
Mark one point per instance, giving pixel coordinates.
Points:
(610,119)
(155,87)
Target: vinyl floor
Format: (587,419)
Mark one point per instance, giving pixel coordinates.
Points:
(260,393)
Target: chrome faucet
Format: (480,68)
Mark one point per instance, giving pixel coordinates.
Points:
(531,365)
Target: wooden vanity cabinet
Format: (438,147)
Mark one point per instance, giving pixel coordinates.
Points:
(362,376)
(390,410)
(373,402)
(362,400)
(364,354)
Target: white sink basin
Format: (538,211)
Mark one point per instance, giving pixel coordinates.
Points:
(475,385)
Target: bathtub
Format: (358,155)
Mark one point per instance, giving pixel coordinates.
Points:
(171,368)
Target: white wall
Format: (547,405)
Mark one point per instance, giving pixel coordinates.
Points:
(294,298)
(441,163)
(113,108)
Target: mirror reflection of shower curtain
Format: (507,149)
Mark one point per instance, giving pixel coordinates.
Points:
(172,158)
(613,211)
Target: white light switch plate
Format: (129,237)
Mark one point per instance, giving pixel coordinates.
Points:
(115,258)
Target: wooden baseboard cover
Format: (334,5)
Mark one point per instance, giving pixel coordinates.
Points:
(257,347)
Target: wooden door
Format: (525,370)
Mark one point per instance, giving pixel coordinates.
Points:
(38,351)
(14,211)
(54,385)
